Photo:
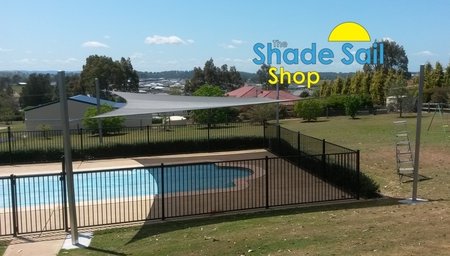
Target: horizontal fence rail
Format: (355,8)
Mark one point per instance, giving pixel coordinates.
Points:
(36,203)
(47,145)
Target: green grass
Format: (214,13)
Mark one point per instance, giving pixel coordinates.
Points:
(381,227)
(3,246)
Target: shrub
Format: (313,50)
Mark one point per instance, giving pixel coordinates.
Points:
(309,110)
(352,104)
(439,95)
(109,124)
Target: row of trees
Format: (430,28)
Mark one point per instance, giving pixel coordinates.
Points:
(112,75)
(226,79)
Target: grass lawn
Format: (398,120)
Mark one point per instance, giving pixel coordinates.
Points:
(3,245)
(381,227)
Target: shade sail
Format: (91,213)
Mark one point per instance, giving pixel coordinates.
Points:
(141,104)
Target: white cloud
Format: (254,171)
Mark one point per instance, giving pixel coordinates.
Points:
(94,44)
(425,53)
(190,41)
(156,39)
(237,41)
(233,45)
(388,39)
(5,50)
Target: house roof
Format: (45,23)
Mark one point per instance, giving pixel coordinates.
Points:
(83,99)
(245,92)
(253,92)
(93,101)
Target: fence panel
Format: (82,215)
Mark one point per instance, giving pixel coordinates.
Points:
(6,215)
(39,203)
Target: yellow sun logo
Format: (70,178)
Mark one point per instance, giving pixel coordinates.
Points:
(349,32)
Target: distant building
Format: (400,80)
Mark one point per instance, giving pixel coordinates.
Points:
(256,92)
(50,114)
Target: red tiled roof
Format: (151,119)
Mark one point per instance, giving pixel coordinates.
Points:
(245,92)
(252,91)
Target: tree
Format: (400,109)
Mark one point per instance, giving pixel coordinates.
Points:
(211,116)
(37,91)
(226,79)
(352,104)
(130,78)
(261,113)
(437,75)
(377,87)
(396,86)
(356,83)
(338,84)
(346,88)
(263,75)
(109,124)
(309,110)
(394,57)
(111,74)
(447,76)
(440,95)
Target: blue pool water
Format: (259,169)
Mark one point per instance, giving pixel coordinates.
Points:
(111,185)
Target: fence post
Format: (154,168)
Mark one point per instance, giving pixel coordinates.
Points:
(163,215)
(209,128)
(64,194)
(279,139)
(324,165)
(10,144)
(264,134)
(81,140)
(148,134)
(298,149)
(267,181)
(358,175)
(14,205)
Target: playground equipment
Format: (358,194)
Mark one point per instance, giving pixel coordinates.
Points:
(403,152)
(440,108)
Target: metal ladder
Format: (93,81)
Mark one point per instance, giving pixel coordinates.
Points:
(403,153)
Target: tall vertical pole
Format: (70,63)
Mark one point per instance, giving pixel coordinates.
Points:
(68,157)
(97,92)
(278,105)
(418,130)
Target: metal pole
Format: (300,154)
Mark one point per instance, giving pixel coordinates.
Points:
(418,130)
(97,92)
(68,157)
(278,105)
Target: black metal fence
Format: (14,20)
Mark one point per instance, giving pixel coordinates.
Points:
(47,145)
(36,203)
(330,162)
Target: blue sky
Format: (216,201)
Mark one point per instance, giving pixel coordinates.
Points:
(179,35)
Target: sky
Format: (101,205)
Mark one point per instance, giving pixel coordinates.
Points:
(180,35)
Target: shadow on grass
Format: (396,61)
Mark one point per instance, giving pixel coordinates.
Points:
(159,228)
(316,121)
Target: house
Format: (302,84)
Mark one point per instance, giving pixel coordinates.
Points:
(49,114)
(256,92)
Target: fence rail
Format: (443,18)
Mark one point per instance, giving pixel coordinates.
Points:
(47,145)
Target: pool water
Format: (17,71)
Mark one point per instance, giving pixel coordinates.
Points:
(107,185)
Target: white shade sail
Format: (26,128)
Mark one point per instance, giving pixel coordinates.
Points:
(140,104)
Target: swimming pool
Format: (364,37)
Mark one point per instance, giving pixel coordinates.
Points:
(113,184)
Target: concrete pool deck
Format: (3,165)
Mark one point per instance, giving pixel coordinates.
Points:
(28,169)
(51,244)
